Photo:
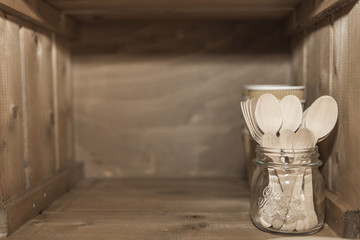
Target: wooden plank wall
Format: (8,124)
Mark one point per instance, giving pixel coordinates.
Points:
(331,54)
(39,103)
(161,99)
(32,107)
(12,173)
(63,102)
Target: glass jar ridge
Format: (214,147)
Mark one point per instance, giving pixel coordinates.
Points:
(287,191)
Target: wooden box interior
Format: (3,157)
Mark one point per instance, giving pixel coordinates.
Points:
(141,99)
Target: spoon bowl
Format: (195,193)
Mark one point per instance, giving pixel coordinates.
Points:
(268,113)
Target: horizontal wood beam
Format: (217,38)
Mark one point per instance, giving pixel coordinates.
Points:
(342,217)
(42,14)
(15,213)
(70,5)
(310,12)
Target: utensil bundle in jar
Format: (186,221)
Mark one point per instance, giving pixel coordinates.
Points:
(281,125)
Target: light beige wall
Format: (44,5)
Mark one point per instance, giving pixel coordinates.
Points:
(162,99)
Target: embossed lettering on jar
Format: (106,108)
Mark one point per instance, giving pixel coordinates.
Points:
(287,191)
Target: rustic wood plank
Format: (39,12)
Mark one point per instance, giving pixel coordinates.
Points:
(41,13)
(317,45)
(164,101)
(21,209)
(183,225)
(12,173)
(143,196)
(341,217)
(215,14)
(104,11)
(86,5)
(131,220)
(63,102)
(309,12)
(39,103)
(346,91)
(335,45)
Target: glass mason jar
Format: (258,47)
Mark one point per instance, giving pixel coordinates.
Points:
(287,191)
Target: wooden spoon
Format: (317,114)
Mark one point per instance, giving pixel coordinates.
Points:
(286,139)
(322,116)
(256,130)
(291,111)
(248,122)
(302,125)
(270,140)
(252,107)
(268,113)
(303,139)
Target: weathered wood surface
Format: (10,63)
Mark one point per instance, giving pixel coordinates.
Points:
(23,208)
(159,209)
(346,91)
(310,12)
(341,216)
(91,11)
(42,14)
(62,81)
(162,99)
(332,57)
(164,195)
(37,58)
(12,173)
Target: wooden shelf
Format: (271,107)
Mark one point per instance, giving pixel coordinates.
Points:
(90,11)
(150,209)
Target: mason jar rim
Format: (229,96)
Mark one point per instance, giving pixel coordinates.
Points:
(287,151)
(313,152)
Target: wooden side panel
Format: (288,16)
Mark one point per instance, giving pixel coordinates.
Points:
(39,103)
(309,13)
(346,90)
(162,99)
(63,102)
(26,206)
(332,57)
(41,13)
(12,177)
(317,63)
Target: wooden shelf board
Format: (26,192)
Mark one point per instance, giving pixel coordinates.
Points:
(150,209)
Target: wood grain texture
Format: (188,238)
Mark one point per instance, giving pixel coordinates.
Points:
(63,102)
(309,13)
(26,206)
(156,195)
(159,209)
(95,11)
(42,14)
(162,99)
(12,176)
(341,216)
(346,91)
(39,103)
(298,59)
(332,59)
(317,65)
